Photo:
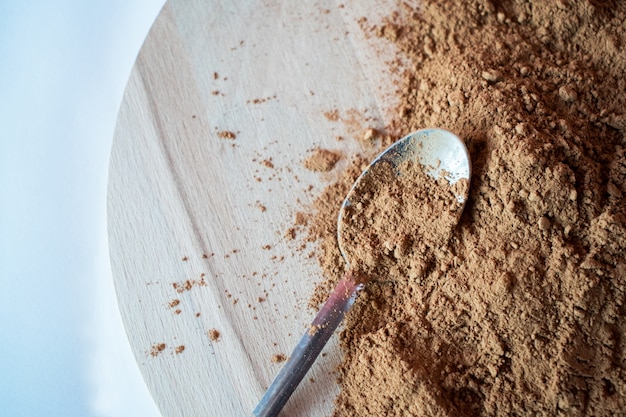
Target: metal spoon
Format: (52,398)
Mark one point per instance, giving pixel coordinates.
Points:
(444,155)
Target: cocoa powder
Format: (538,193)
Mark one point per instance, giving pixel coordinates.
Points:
(521,312)
(322,160)
(422,211)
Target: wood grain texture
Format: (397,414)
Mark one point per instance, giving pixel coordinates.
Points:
(199,220)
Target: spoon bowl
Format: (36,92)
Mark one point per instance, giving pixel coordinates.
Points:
(441,155)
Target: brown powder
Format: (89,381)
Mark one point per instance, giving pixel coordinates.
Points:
(396,216)
(332,115)
(279,357)
(521,311)
(321,160)
(268,163)
(157,348)
(188,284)
(300,218)
(370,134)
(226,134)
(290,234)
(214,335)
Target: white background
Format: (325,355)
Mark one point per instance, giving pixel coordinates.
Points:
(63,68)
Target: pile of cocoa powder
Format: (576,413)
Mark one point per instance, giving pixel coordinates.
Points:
(521,312)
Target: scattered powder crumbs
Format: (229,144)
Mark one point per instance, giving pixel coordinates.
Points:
(261,207)
(226,134)
(278,258)
(290,233)
(268,163)
(214,335)
(313,329)
(188,284)
(370,134)
(322,160)
(279,357)
(157,348)
(332,115)
(174,303)
(179,349)
(301,218)
(520,310)
(261,100)
(358,124)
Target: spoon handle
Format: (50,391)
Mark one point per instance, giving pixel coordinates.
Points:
(309,347)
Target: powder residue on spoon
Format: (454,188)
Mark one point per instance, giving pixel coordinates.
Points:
(396,216)
(522,312)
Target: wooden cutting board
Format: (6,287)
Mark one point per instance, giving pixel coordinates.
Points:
(225,101)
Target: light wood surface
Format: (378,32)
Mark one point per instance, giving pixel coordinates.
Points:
(188,205)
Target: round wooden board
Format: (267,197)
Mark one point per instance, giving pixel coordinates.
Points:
(225,101)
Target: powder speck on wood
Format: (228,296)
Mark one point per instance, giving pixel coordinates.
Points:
(522,311)
(214,335)
(322,160)
(279,357)
(226,134)
(370,134)
(332,115)
(157,348)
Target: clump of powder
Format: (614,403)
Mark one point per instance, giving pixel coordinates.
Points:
(396,216)
(521,313)
(214,335)
(322,160)
(279,357)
